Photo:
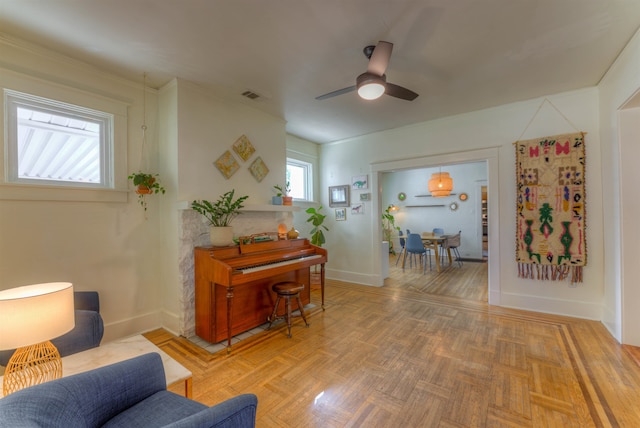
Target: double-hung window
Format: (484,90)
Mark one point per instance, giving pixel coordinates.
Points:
(55,143)
(300,178)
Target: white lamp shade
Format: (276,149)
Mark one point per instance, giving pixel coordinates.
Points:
(371,91)
(440,184)
(35,313)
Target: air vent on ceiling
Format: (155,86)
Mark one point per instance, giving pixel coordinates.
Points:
(251,95)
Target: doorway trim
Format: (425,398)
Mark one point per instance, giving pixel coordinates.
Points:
(489,155)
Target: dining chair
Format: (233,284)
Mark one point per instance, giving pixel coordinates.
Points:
(402,245)
(452,243)
(439,231)
(414,247)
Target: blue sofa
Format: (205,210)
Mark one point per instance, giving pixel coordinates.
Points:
(85,335)
(129,394)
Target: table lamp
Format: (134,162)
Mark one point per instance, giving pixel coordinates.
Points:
(29,317)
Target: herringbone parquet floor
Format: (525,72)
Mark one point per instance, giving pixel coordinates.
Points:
(417,353)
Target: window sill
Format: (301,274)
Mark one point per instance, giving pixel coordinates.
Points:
(17,192)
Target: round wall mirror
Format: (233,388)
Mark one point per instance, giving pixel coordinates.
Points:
(453,206)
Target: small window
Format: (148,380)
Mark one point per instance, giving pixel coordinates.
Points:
(54,143)
(299,176)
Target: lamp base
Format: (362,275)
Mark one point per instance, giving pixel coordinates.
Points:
(32,365)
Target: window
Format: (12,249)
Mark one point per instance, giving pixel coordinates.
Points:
(55,143)
(299,176)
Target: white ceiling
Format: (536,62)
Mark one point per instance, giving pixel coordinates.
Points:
(459,55)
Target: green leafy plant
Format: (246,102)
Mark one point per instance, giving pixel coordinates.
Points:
(388,226)
(146,184)
(283,191)
(221,212)
(317,218)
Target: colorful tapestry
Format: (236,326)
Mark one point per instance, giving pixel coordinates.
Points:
(550,241)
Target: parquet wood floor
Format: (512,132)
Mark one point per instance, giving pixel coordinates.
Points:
(414,354)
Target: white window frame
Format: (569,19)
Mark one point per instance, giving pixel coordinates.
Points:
(308,177)
(15,100)
(116,104)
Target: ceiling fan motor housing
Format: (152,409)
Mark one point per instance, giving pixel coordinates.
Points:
(367,77)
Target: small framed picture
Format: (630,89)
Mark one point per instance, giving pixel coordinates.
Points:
(341,214)
(365,196)
(339,196)
(357,209)
(360,182)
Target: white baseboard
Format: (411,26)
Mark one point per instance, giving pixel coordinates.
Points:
(357,278)
(585,310)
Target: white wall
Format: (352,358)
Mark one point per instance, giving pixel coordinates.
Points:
(105,244)
(467,178)
(352,243)
(619,133)
(198,127)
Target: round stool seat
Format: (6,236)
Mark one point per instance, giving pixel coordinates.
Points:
(287,288)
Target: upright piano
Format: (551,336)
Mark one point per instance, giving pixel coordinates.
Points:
(233,284)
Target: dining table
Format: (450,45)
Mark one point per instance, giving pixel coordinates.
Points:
(434,242)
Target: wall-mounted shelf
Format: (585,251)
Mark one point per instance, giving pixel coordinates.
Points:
(423,206)
(431,196)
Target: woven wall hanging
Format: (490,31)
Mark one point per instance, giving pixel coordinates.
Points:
(550,237)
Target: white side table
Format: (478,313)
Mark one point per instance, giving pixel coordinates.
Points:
(124,349)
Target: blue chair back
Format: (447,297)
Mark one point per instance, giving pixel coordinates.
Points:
(438,231)
(414,244)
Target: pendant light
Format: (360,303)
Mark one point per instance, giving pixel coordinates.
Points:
(440,184)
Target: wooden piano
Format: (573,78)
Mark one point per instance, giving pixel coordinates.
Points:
(233,284)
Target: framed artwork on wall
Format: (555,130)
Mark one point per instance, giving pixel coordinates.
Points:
(341,214)
(339,196)
(360,182)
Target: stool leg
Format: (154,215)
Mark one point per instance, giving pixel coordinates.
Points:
(273,314)
(288,300)
(301,310)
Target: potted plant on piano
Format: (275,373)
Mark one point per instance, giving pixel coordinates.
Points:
(219,214)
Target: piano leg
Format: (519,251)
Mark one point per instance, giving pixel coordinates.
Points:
(322,283)
(229,306)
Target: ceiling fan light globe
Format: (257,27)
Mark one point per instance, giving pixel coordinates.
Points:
(371,91)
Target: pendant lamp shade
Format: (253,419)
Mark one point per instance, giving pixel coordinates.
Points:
(440,184)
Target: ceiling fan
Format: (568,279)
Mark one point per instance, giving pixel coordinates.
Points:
(373,83)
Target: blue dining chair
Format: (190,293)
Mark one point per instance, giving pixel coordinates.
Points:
(414,247)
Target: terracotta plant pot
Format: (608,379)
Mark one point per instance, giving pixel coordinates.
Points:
(287,200)
(143,190)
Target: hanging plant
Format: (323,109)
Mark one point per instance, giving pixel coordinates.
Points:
(146,184)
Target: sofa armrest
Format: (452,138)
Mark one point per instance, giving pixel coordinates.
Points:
(85,335)
(86,399)
(236,412)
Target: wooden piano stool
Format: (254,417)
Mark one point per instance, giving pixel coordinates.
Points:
(287,290)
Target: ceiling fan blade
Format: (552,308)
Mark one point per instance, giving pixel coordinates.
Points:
(400,92)
(380,58)
(336,93)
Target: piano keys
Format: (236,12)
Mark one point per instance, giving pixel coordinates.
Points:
(233,284)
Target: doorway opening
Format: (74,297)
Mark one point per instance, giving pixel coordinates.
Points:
(490,156)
